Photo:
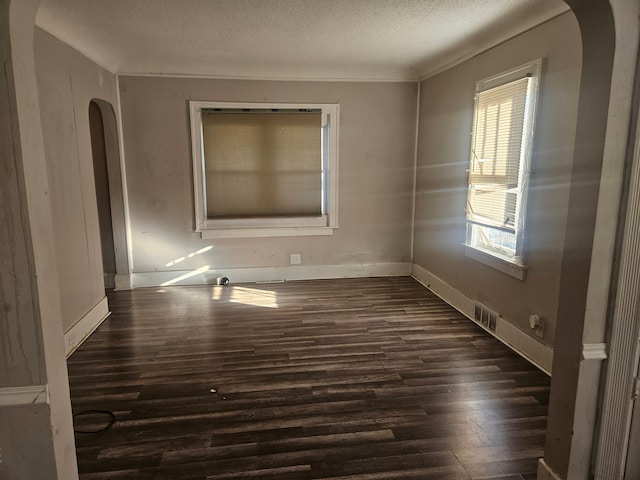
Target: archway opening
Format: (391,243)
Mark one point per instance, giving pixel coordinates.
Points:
(103,193)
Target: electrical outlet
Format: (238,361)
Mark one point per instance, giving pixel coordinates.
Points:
(296,259)
(537,325)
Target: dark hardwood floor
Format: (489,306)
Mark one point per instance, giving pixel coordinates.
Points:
(333,379)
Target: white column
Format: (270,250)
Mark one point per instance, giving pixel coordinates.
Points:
(585,319)
(36,433)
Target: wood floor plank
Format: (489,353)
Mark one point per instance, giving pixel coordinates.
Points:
(347,379)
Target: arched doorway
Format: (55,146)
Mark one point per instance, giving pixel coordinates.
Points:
(591,386)
(54,452)
(101,177)
(109,194)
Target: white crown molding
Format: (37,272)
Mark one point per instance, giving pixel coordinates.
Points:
(267,78)
(483,47)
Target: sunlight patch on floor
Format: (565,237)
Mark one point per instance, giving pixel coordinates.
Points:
(253,296)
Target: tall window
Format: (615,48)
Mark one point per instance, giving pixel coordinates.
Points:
(263,170)
(501,142)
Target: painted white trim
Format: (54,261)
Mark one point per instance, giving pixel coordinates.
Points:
(77,334)
(537,353)
(232,228)
(267,232)
(123,282)
(265,274)
(269,222)
(618,399)
(399,79)
(519,341)
(501,264)
(529,69)
(28,395)
(545,472)
(594,351)
(446,292)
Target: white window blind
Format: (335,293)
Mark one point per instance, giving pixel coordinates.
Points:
(496,153)
(262,163)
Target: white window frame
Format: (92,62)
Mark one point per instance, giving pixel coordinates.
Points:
(268,227)
(514,266)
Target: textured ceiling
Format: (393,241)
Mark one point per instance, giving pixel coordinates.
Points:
(296,39)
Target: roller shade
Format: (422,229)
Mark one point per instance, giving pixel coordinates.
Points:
(496,151)
(261,163)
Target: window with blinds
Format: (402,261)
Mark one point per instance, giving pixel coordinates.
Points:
(262,164)
(500,151)
(264,169)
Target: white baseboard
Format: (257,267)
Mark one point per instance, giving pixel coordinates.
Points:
(545,473)
(519,341)
(537,353)
(74,337)
(109,280)
(205,275)
(122,282)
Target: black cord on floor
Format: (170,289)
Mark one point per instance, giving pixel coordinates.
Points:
(111,421)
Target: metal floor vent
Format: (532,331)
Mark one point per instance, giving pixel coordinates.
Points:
(485,316)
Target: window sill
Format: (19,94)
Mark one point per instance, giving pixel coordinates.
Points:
(266,232)
(504,265)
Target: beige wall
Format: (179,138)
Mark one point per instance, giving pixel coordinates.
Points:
(377,127)
(67,82)
(444,143)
